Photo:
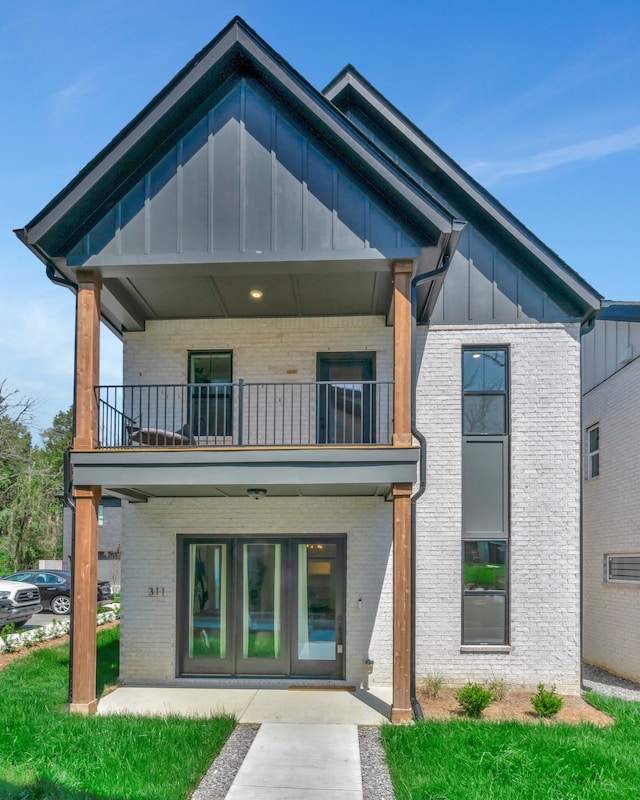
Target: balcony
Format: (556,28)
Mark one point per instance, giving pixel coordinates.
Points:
(244,414)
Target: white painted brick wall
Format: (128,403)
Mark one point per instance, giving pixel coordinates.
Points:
(263,349)
(149,559)
(545,507)
(612,524)
(545,420)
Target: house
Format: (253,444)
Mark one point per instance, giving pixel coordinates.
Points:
(348,434)
(611,546)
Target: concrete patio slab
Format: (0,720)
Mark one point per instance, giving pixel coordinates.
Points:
(151,701)
(312,707)
(364,707)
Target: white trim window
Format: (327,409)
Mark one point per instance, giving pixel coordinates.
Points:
(593,451)
(623,568)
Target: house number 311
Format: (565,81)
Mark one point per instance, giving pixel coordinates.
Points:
(156,592)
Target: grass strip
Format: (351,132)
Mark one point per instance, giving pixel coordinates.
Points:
(465,760)
(48,754)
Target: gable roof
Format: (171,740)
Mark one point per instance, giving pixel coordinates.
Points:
(418,154)
(235,52)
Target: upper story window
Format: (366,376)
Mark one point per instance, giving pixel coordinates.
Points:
(211,411)
(100,514)
(484,379)
(593,445)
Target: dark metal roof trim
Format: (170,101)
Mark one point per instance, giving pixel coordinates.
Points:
(613,311)
(349,88)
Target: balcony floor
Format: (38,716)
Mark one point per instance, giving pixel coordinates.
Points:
(142,473)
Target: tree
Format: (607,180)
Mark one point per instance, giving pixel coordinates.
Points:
(30,483)
(56,439)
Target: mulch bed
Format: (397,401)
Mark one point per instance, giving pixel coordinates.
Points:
(515,706)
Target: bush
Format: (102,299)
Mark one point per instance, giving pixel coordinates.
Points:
(498,689)
(546,702)
(431,686)
(473,699)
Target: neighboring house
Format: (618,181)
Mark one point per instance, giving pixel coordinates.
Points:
(349,426)
(611,522)
(109,539)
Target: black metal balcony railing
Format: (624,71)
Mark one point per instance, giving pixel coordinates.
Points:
(245,414)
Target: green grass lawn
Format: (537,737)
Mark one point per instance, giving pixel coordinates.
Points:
(464,760)
(48,754)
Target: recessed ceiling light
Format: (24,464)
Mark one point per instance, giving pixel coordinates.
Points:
(476,355)
(256,294)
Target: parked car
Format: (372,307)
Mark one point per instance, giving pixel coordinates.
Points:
(18,603)
(55,588)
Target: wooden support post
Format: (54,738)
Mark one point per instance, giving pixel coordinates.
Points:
(402,592)
(402,271)
(87,359)
(85,546)
(85,601)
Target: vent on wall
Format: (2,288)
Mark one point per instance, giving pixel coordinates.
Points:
(623,569)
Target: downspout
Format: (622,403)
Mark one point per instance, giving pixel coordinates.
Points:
(586,326)
(422,481)
(59,279)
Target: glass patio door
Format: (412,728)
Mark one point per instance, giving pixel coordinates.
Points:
(207,646)
(272,607)
(318,646)
(261,624)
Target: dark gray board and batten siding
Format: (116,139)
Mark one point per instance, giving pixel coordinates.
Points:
(484,284)
(244,179)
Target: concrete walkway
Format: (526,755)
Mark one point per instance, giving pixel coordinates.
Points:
(295,761)
(307,746)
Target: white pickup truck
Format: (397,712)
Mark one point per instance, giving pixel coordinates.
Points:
(18,601)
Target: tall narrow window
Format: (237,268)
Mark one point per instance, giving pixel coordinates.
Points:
(593,443)
(485,513)
(211,394)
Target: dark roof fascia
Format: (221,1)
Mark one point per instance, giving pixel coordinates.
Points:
(613,311)
(349,88)
(230,53)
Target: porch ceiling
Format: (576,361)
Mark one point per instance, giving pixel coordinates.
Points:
(289,289)
(282,472)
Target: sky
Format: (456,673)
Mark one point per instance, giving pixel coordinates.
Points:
(539,102)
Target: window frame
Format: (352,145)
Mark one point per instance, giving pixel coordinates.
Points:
(504,392)
(502,536)
(593,455)
(223,426)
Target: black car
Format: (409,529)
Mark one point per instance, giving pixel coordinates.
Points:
(55,588)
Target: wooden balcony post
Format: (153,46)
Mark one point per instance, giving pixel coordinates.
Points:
(402,271)
(82,682)
(85,601)
(401,707)
(87,359)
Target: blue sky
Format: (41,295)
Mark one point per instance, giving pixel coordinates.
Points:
(540,102)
